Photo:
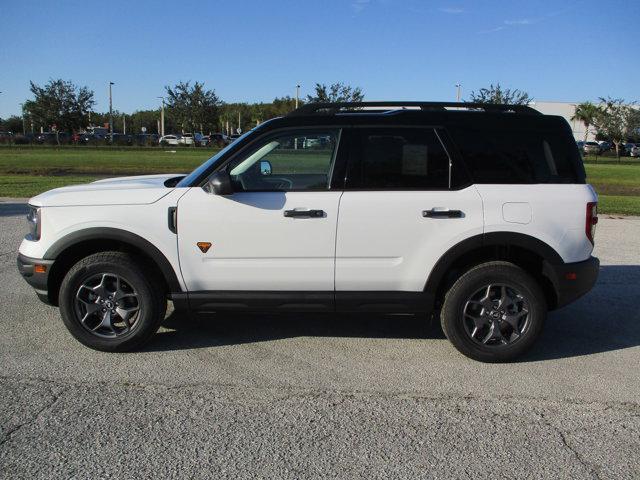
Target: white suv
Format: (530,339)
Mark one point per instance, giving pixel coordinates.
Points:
(479,214)
(186,139)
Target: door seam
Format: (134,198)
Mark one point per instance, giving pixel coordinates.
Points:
(335,249)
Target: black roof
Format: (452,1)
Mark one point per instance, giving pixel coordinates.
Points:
(401,113)
(333,108)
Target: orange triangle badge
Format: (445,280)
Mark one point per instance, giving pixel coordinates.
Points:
(204,246)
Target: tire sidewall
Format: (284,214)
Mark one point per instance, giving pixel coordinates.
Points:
(470,283)
(146,324)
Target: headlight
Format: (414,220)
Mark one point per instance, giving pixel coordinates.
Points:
(35,225)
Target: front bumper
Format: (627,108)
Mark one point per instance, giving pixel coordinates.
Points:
(37,279)
(572,280)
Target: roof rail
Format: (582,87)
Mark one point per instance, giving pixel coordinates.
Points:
(332,108)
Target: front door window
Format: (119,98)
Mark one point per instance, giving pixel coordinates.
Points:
(292,161)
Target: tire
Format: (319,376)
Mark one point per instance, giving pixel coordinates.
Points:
(127,288)
(476,308)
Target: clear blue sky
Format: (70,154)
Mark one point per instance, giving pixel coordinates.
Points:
(256,50)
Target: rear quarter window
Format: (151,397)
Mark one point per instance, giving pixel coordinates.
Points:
(518,156)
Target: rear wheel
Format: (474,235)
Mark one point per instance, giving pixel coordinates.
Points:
(110,302)
(494,312)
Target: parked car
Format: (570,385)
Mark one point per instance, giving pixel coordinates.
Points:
(146,139)
(218,140)
(100,132)
(605,146)
(169,140)
(430,212)
(591,148)
(92,139)
(635,151)
(52,138)
(120,139)
(186,139)
(6,137)
(626,151)
(45,137)
(21,139)
(312,142)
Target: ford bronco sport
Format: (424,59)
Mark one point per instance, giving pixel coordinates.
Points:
(475,213)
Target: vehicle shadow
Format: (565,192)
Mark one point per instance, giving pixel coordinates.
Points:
(181,332)
(14,209)
(604,320)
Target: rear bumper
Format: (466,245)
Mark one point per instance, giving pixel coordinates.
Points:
(572,280)
(38,280)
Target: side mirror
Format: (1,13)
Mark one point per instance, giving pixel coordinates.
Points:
(220,183)
(265,167)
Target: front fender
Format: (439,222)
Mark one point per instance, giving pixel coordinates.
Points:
(123,236)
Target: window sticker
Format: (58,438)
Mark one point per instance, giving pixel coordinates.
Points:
(414,159)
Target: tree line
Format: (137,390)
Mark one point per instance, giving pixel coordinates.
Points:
(613,119)
(63,106)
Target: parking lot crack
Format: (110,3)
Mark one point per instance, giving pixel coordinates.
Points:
(565,442)
(13,431)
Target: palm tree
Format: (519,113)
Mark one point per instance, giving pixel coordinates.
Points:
(586,112)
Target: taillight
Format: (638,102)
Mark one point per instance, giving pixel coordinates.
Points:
(592,220)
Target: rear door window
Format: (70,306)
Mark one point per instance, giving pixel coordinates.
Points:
(397,159)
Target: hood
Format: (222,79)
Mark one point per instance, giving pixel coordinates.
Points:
(136,190)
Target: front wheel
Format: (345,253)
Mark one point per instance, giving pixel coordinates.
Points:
(111,302)
(494,312)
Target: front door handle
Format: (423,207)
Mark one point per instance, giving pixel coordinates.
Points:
(172,219)
(304,213)
(442,213)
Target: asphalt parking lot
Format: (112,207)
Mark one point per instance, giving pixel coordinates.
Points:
(323,396)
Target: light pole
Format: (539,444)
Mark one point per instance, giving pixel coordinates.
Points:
(297,94)
(24,128)
(162,117)
(110,112)
(458,87)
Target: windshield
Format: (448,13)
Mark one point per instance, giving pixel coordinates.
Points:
(189,179)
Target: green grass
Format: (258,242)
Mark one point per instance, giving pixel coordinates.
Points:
(618,186)
(27,171)
(612,160)
(614,204)
(622,180)
(99,161)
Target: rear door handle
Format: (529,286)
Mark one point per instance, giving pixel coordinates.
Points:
(304,213)
(442,213)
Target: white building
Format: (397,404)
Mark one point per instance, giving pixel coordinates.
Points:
(566,110)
